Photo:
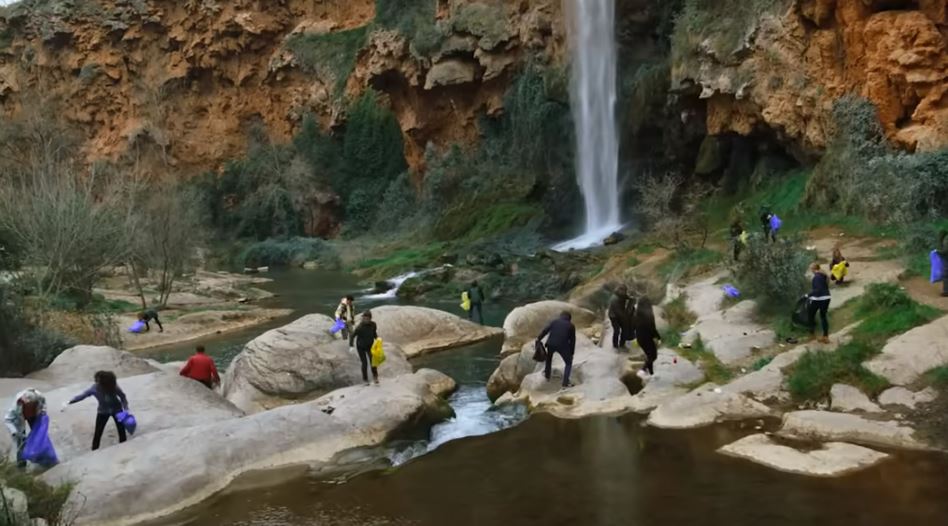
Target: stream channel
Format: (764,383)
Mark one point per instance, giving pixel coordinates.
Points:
(498,467)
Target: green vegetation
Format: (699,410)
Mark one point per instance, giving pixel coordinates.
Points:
(774,273)
(25,344)
(885,311)
(689,261)
(679,319)
(415,19)
(724,24)
(290,252)
(486,21)
(939,377)
(761,363)
(329,55)
(714,370)
(402,260)
(45,501)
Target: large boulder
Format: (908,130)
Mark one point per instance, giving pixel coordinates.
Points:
(907,357)
(13,507)
(732,334)
(825,426)
(164,472)
(599,379)
(905,398)
(706,405)
(510,373)
(523,324)
(11,386)
(419,330)
(299,361)
(833,459)
(158,401)
(80,363)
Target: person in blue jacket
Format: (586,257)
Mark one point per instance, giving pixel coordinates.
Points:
(819,301)
(112,401)
(562,340)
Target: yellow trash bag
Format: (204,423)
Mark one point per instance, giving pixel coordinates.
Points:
(465,301)
(840,270)
(378,354)
(743,238)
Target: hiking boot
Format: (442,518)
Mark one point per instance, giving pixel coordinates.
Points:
(824,340)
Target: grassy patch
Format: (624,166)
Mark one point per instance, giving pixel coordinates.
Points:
(723,25)
(761,363)
(679,319)
(816,372)
(686,262)
(646,249)
(415,19)
(714,370)
(474,224)
(329,55)
(45,501)
(887,310)
(939,377)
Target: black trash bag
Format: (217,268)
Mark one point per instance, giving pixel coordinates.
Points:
(800,316)
(539,353)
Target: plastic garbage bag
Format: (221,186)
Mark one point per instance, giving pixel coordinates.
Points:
(775,223)
(465,301)
(137,327)
(338,326)
(938,270)
(539,352)
(378,354)
(799,315)
(731,291)
(38,447)
(128,421)
(840,270)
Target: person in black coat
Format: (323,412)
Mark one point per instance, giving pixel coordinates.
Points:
(620,309)
(364,336)
(562,340)
(647,336)
(819,301)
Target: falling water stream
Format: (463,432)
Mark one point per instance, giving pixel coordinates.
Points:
(593,97)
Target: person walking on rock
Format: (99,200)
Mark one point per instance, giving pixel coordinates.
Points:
(112,401)
(646,335)
(346,312)
(363,337)
(201,367)
(27,407)
(766,215)
(618,310)
(476,294)
(149,316)
(561,340)
(942,252)
(819,301)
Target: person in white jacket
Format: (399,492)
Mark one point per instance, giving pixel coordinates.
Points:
(27,407)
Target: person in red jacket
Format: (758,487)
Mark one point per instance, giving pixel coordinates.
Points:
(201,367)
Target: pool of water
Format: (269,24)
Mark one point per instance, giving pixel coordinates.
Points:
(596,472)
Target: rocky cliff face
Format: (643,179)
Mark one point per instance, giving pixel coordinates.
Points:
(781,65)
(191,77)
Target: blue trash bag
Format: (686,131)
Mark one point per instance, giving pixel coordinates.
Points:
(128,421)
(338,326)
(938,270)
(137,327)
(775,223)
(732,291)
(38,447)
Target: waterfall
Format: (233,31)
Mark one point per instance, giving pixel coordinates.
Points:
(593,96)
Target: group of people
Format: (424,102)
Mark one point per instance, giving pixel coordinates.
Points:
(770,224)
(361,337)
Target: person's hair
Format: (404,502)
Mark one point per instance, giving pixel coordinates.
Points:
(350,298)
(566,316)
(837,253)
(643,311)
(141,315)
(622,290)
(107,381)
(474,283)
(367,315)
(815,267)
(199,348)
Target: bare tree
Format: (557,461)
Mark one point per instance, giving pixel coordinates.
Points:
(673,208)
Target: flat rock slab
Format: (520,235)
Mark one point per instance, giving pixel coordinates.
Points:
(703,297)
(825,426)
(523,324)
(420,330)
(672,374)
(847,398)
(905,398)
(907,357)
(861,275)
(80,363)
(706,405)
(732,334)
(832,459)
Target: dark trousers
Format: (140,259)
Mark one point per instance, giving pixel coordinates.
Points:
(651,354)
(621,333)
(100,421)
(479,307)
(821,306)
(21,443)
(156,320)
(567,357)
(365,355)
(738,247)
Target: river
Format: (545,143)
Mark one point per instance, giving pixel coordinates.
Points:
(489,467)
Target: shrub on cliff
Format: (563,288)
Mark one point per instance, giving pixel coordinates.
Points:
(774,273)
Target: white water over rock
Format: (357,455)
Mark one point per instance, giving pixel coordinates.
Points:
(392,293)
(593,97)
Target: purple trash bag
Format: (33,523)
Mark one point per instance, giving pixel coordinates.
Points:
(137,327)
(732,291)
(128,421)
(938,269)
(38,447)
(775,223)
(339,325)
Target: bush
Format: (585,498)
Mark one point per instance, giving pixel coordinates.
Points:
(724,24)
(290,252)
(774,273)
(44,501)
(329,55)
(415,19)
(486,21)
(25,346)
